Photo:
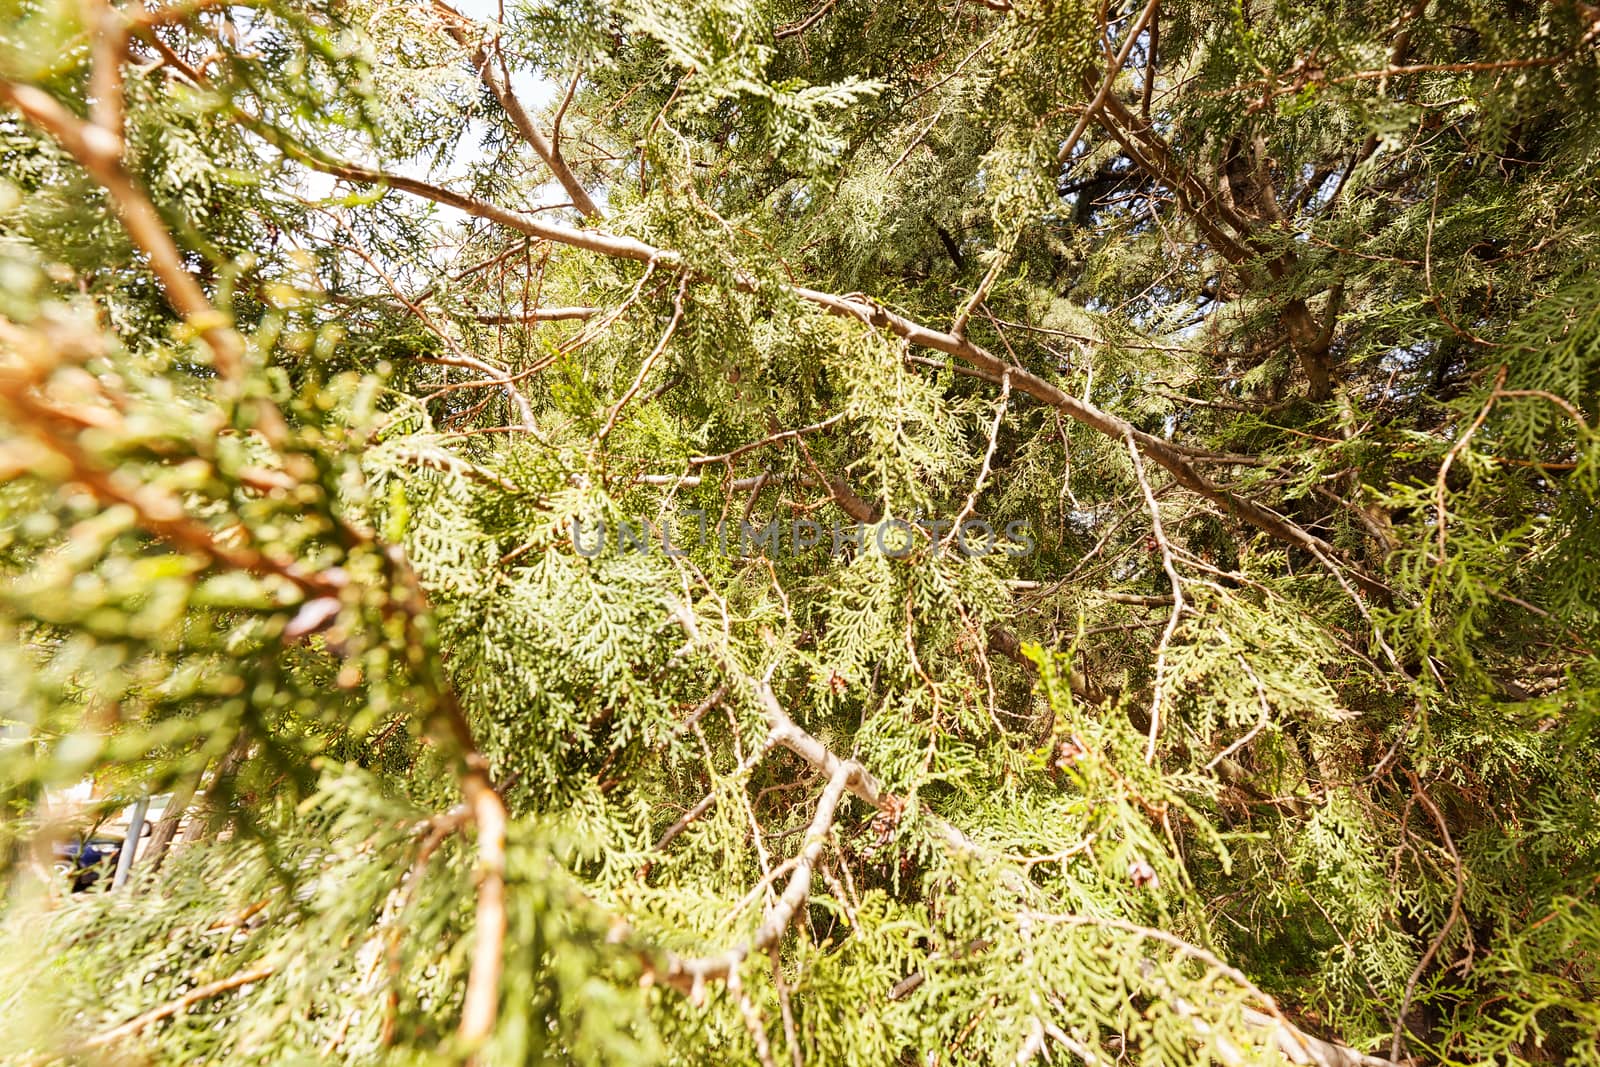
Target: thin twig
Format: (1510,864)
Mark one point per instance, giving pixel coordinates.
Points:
(1439,490)
(649,362)
(1177,600)
(796,28)
(1397,1039)
(796,1057)
(1261,724)
(705,803)
(545,314)
(988,457)
(173,1007)
(772,439)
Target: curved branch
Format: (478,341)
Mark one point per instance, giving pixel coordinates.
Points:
(497,79)
(690,975)
(99,151)
(173,1007)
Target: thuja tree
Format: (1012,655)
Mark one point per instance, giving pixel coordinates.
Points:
(779,531)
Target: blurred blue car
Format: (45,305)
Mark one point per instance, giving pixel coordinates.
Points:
(84,861)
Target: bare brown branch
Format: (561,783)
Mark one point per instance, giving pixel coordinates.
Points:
(546,314)
(140,1022)
(490,63)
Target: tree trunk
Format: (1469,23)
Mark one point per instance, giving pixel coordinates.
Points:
(205,818)
(167,829)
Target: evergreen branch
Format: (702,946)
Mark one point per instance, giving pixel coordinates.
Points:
(447,721)
(1000,639)
(1178,603)
(1112,70)
(163,515)
(1153,155)
(1164,454)
(840,492)
(707,802)
(649,361)
(159,510)
(1455,916)
(546,314)
(758,1030)
(1002,257)
(713,698)
(1295,1044)
(783,730)
(786,1009)
(440,460)
(491,69)
(142,1021)
(1440,492)
(1304,75)
(1564,404)
(1260,724)
(99,151)
(971,503)
(690,975)
(561,111)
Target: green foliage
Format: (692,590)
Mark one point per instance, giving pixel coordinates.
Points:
(1171,785)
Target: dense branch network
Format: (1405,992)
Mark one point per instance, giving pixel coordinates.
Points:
(99,150)
(1241,219)
(1169,457)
